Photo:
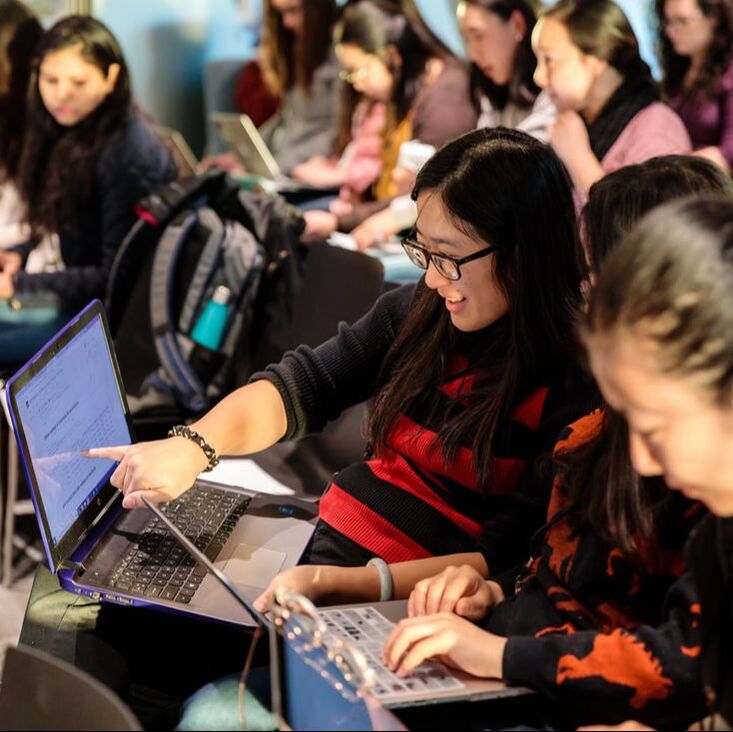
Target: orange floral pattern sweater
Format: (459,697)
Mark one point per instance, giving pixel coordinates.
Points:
(608,639)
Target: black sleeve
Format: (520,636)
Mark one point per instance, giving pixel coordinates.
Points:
(647,673)
(317,384)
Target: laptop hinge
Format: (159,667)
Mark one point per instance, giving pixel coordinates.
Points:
(74,566)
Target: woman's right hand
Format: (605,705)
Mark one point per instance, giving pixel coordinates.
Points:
(159,470)
(460,590)
(224,161)
(310,580)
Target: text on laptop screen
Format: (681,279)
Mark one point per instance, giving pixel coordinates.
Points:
(72,404)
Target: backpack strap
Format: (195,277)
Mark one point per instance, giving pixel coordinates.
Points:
(205,268)
(158,208)
(184,379)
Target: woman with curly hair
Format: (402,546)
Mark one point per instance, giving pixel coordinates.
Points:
(697,56)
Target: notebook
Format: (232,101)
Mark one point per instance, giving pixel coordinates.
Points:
(70,397)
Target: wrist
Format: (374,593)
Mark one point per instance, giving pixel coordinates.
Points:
(196,456)
(336,583)
(348,584)
(496,646)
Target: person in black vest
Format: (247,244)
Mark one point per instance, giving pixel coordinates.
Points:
(88,156)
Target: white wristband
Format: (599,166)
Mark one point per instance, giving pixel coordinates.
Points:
(386,588)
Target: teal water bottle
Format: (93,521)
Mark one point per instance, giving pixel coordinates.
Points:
(209,328)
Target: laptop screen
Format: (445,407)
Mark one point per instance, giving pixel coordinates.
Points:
(71,403)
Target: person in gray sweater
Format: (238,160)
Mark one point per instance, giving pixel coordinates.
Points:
(300,66)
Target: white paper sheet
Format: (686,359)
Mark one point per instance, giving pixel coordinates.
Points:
(245,473)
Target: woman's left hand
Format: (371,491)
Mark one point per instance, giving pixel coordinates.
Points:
(454,640)
(10,263)
(569,137)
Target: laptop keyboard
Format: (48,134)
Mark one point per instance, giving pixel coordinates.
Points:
(156,565)
(368,629)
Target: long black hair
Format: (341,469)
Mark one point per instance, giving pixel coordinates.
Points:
(598,476)
(505,188)
(415,44)
(20,32)
(58,164)
(620,199)
(521,90)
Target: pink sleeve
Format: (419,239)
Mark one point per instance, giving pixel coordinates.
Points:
(365,159)
(656,130)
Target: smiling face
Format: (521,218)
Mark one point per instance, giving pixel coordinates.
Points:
(71,87)
(674,431)
(567,74)
(475,300)
(491,41)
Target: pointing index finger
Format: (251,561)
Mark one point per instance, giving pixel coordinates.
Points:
(108,453)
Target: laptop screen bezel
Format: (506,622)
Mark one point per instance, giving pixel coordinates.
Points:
(58,551)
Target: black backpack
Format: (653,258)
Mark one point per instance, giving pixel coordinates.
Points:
(192,237)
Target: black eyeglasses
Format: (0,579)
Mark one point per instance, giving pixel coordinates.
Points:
(447,267)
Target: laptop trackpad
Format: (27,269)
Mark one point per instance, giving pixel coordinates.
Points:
(253,565)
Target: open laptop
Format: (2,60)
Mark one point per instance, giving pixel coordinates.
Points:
(185,159)
(240,134)
(364,627)
(70,397)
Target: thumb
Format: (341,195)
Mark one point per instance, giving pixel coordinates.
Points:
(471,608)
(262,603)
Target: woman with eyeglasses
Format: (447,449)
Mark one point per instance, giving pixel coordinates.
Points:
(471,374)
(697,56)
(419,80)
(603,621)
(497,36)
(359,38)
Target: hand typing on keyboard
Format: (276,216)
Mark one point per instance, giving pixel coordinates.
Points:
(368,629)
(457,641)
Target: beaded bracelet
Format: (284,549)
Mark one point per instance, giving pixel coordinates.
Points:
(182,430)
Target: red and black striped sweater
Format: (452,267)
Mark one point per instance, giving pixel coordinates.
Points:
(408,503)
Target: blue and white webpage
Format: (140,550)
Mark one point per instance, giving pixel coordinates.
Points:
(71,405)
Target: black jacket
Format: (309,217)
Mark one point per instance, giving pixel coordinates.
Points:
(134,164)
